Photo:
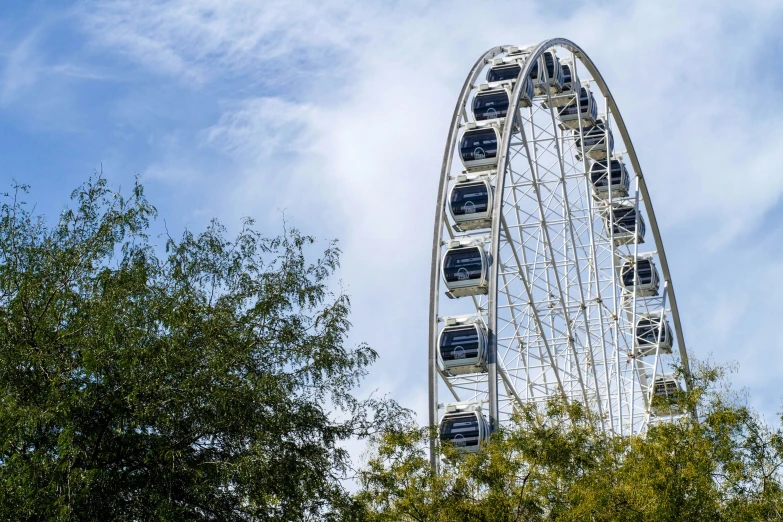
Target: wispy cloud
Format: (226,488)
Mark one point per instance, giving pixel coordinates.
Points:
(261,128)
(203,39)
(22,69)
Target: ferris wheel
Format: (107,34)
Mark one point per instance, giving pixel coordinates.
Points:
(549,278)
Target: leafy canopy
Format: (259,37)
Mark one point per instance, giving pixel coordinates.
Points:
(209,381)
(556,464)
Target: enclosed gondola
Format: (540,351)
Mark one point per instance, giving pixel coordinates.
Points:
(465,270)
(507,74)
(594,141)
(652,335)
(570,82)
(617,182)
(464,427)
(664,395)
(627,224)
(478,147)
(490,105)
(503,73)
(586,110)
(517,56)
(470,204)
(549,75)
(463,347)
(640,277)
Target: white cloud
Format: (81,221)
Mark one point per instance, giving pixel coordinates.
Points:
(202,39)
(355,152)
(21,71)
(262,128)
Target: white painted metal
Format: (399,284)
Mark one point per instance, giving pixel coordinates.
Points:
(558,321)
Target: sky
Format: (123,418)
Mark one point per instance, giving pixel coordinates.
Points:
(333,115)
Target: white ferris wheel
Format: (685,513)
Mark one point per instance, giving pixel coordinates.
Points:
(549,277)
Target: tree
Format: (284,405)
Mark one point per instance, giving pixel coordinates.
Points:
(209,381)
(555,463)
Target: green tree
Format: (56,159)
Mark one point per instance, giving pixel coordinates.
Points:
(556,464)
(209,381)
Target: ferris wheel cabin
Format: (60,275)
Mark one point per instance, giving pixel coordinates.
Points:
(490,105)
(627,223)
(570,83)
(463,348)
(464,427)
(465,271)
(594,137)
(640,277)
(664,396)
(618,182)
(507,74)
(652,335)
(549,75)
(503,73)
(478,147)
(585,109)
(470,204)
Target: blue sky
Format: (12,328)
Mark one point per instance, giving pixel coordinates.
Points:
(336,112)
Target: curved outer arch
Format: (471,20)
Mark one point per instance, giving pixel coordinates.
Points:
(440,208)
(497,213)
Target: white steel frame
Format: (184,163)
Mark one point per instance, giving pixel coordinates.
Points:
(558,322)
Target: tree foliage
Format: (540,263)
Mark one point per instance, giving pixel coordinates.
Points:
(209,380)
(556,463)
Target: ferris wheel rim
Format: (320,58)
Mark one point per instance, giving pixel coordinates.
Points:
(433,372)
(502,163)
